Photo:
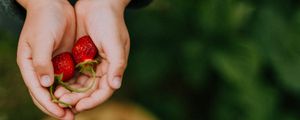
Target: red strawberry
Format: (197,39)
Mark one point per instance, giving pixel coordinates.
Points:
(84,50)
(64,70)
(64,66)
(84,53)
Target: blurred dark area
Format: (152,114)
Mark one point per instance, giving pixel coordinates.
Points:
(193,60)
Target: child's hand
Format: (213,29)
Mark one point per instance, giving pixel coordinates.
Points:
(49,29)
(103,21)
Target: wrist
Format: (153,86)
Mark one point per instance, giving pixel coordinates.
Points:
(28,4)
(117,5)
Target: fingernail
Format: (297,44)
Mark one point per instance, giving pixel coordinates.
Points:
(45,80)
(117,82)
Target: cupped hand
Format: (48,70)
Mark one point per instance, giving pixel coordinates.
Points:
(49,29)
(103,21)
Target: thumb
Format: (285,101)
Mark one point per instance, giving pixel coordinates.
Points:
(41,58)
(117,65)
(115,73)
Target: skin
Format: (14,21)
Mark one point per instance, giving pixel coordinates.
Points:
(50,28)
(103,20)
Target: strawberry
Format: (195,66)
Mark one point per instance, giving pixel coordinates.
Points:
(63,65)
(84,52)
(64,70)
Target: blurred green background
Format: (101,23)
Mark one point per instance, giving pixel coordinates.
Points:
(193,60)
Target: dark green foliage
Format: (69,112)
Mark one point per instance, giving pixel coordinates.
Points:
(216,59)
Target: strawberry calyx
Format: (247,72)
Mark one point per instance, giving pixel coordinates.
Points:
(87,67)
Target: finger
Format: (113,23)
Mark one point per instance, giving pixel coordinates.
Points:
(41,94)
(42,46)
(117,65)
(82,82)
(40,106)
(81,31)
(41,58)
(127,49)
(82,79)
(97,97)
(74,111)
(73,98)
(116,57)
(68,38)
(60,90)
(68,114)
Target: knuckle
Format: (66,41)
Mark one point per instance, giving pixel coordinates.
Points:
(81,7)
(41,64)
(121,64)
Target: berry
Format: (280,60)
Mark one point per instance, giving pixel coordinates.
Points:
(63,65)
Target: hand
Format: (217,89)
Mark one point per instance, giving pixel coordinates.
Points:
(49,29)
(103,21)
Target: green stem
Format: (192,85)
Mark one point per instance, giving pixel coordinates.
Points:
(74,89)
(55,100)
(86,67)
